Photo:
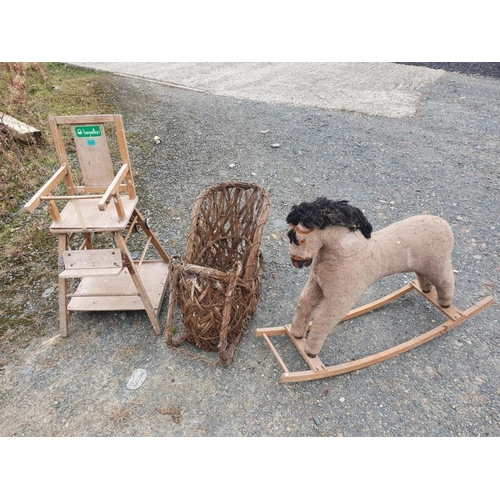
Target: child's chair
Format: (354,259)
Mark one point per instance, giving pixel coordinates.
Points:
(96,224)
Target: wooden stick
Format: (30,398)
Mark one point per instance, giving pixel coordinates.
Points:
(83,119)
(113,188)
(75,197)
(376,304)
(63,289)
(96,294)
(139,264)
(276,354)
(45,189)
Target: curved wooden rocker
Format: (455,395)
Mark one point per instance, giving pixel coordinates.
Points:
(318,370)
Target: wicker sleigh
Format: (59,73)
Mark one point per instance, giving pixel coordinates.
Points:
(216,285)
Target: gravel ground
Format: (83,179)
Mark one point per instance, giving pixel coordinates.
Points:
(444,161)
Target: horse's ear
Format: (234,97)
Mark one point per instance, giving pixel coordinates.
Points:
(366,230)
(362,222)
(294,215)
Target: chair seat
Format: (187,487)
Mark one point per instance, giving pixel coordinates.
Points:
(93,218)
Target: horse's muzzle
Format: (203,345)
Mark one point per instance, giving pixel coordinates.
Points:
(299,263)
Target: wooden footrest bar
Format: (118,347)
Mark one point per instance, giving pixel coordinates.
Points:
(318,370)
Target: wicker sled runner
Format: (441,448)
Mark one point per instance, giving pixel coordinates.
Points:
(216,285)
(318,370)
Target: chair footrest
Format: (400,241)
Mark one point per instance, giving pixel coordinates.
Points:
(86,263)
(119,293)
(84,273)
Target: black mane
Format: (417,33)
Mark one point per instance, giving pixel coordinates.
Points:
(322,213)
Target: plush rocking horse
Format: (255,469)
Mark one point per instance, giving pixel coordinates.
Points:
(347,257)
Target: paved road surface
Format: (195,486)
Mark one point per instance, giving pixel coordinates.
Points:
(377,89)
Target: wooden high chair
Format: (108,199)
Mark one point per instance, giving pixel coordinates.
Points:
(96,224)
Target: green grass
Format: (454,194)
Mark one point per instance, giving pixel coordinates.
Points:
(31,93)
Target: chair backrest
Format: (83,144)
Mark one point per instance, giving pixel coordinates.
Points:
(226,226)
(97,163)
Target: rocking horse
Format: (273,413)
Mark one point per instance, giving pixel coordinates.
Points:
(346,257)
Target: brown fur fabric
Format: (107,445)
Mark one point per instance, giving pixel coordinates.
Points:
(347,258)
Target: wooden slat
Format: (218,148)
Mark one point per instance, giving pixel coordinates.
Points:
(276,354)
(63,288)
(314,363)
(376,304)
(92,272)
(119,293)
(61,154)
(18,128)
(102,262)
(452,312)
(271,331)
(122,144)
(83,119)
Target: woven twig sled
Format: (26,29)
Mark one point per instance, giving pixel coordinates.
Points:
(216,285)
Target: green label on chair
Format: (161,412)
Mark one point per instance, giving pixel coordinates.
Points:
(88,131)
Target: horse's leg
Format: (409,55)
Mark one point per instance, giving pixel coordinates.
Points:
(309,299)
(445,285)
(424,283)
(328,315)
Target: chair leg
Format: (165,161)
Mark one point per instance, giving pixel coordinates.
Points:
(63,289)
(129,264)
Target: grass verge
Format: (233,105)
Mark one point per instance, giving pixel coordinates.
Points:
(31,93)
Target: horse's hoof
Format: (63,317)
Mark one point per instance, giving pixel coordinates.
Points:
(297,335)
(311,355)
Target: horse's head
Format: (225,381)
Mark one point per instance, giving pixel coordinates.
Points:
(304,245)
(308,219)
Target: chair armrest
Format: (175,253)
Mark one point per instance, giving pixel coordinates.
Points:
(113,187)
(45,189)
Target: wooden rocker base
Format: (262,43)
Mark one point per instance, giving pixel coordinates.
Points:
(318,370)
